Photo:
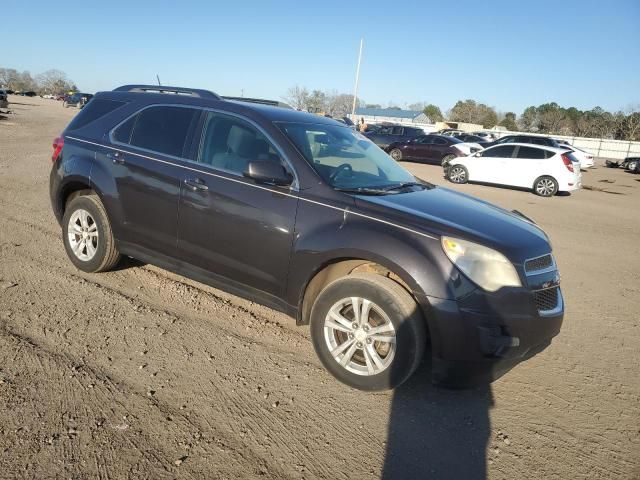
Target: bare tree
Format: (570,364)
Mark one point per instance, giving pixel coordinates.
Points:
(297,97)
(53,81)
(631,128)
(339,105)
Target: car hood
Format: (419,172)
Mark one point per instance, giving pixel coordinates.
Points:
(441,211)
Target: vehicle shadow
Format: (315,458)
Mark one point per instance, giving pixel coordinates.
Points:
(437,433)
(126,263)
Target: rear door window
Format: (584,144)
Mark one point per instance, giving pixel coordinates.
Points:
(164,129)
(503,151)
(530,152)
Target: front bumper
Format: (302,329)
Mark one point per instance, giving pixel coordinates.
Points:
(473,346)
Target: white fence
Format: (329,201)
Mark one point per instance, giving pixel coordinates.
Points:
(602,148)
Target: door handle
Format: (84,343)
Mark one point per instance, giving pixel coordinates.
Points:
(116,157)
(196,184)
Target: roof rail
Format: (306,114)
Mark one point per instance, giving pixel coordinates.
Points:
(262,101)
(165,89)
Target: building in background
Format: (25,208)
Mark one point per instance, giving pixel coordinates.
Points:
(390,115)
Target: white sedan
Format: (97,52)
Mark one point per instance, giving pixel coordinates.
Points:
(584,157)
(545,170)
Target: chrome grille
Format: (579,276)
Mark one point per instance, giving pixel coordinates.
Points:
(538,263)
(546,299)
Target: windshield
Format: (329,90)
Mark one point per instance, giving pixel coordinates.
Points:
(344,158)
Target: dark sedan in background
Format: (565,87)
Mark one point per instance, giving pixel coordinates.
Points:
(77,100)
(435,149)
(388,134)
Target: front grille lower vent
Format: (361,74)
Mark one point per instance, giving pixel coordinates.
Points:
(539,263)
(546,299)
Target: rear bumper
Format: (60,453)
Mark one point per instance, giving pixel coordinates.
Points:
(471,347)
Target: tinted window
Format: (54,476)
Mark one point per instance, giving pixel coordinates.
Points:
(397,131)
(503,151)
(426,140)
(440,141)
(163,129)
(122,134)
(510,139)
(229,143)
(385,130)
(537,140)
(93,110)
(530,152)
(412,132)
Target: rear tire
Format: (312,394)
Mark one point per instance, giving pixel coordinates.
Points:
(87,235)
(631,166)
(458,174)
(396,154)
(382,350)
(545,186)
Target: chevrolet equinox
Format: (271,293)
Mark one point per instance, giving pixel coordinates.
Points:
(307,216)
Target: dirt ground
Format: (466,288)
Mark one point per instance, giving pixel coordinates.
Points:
(140,373)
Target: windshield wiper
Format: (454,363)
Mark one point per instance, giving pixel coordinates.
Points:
(399,186)
(363,190)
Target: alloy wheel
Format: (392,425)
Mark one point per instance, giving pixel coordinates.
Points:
(545,187)
(457,174)
(360,336)
(83,235)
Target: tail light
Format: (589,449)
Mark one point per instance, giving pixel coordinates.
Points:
(567,162)
(58,143)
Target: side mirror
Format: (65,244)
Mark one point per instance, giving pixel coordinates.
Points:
(268,172)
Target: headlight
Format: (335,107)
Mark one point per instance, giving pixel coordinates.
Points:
(486,267)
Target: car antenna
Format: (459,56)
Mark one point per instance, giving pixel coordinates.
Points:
(158,77)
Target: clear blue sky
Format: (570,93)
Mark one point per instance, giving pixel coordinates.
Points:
(508,54)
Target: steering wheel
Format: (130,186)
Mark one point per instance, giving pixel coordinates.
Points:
(339,170)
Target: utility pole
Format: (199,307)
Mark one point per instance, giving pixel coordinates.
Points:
(355,90)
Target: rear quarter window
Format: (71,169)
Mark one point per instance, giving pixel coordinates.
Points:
(164,129)
(94,109)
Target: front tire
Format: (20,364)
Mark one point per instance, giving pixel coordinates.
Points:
(631,166)
(545,186)
(458,174)
(447,158)
(368,331)
(396,154)
(87,235)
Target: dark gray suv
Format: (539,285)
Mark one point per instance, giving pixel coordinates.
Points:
(305,215)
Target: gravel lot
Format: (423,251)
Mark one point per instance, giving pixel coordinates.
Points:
(139,373)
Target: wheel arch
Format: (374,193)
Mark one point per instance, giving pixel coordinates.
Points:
(339,267)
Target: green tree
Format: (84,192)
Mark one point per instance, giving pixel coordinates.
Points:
(509,122)
(433,112)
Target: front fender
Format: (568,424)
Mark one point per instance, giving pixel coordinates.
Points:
(325,235)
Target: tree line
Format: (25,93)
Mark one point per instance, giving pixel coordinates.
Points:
(548,118)
(50,82)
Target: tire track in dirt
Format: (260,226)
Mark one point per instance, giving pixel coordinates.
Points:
(262,426)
